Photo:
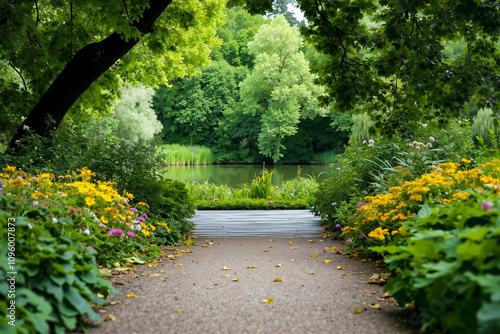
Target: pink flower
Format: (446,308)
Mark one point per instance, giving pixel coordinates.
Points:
(364,142)
(130,234)
(25,127)
(216,199)
(371,141)
(117,146)
(486,206)
(270,202)
(89,247)
(133,209)
(115,231)
(274,206)
(431,138)
(145,216)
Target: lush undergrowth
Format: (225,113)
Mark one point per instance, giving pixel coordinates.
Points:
(433,216)
(251,204)
(60,228)
(175,154)
(298,190)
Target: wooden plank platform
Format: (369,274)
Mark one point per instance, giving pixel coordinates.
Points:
(256,223)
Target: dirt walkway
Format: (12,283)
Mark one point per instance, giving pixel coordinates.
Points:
(195,297)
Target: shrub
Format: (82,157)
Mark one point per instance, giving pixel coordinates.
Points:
(448,264)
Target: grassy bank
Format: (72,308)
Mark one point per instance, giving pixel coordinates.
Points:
(181,155)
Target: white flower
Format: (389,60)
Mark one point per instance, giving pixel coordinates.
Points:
(35,203)
(87,232)
(30,226)
(54,220)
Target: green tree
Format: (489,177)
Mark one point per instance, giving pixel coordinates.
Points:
(133,118)
(61,52)
(280,89)
(283,7)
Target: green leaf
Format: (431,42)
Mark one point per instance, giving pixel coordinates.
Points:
(424,212)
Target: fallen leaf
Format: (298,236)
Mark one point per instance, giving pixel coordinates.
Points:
(224,275)
(112,317)
(226,268)
(130,295)
(179,264)
(311,241)
(358,310)
(150,265)
(156,275)
(290,242)
(268,300)
(251,267)
(235,279)
(179,311)
(204,245)
(340,267)
(288,238)
(334,249)
(240,243)
(115,303)
(314,255)
(103,311)
(327,261)
(119,283)
(209,288)
(311,272)
(271,239)
(162,271)
(294,247)
(278,280)
(293,260)
(278,265)
(345,274)
(374,305)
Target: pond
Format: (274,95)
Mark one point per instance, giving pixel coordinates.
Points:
(235,175)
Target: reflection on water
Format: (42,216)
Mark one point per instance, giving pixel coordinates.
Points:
(235,175)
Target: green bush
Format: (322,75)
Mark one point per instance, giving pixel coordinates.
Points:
(251,204)
(449,265)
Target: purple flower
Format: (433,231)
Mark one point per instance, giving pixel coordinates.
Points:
(141,219)
(338,225)
(431,138)
(361,204)
(270,202)
(274,206)
(486,206)
(348,240)
(216,199)
(1,186)
(130,234)
(89,247)
(371,141)
(145,216)
(115,231)
(25,127)
(133,209)
(362,235)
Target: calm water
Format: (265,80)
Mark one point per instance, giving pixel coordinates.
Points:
(234,175)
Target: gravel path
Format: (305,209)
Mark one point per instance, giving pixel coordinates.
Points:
(313,297)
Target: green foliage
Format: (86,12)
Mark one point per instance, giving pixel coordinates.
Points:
(406,62)
(175,154)
(54,32)
(491,151)
(252,204)
(482,123)
(448,264)
(360,128)
(261,186)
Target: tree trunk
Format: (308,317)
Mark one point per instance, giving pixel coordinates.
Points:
(82,70)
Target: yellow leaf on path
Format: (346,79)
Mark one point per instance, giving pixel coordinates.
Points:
(204,245)
(311,272)
(278,280)
(334,249)
(294,247)
(327,261)
(179,311)
(271,239)
(101,296)
(112,317)
(240,243)
(235,279)
(115,303)
(311,241)
(364,303)
(224,275)
(340,267)
(314,255)
(290,242)
(293,260)
(162,271)
(268,300)
(288,238)
(251,267)
(278,265)
(358,310)
(374,305)
(179,264)
(130,295)
(226,268)
(345,274)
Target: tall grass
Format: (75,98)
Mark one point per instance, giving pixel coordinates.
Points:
(181,155)
(328,157)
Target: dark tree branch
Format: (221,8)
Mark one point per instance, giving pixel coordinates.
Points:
(126,9)
(19,73)
(37,14)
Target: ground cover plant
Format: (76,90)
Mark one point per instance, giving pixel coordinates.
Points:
(291,194)
(65,227)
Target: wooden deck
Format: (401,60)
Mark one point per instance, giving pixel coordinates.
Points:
(256,223)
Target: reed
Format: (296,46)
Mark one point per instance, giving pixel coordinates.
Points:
(181,155)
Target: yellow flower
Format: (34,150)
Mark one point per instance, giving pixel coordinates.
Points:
(104,220)
(144,226)
(129,195)
(393,233)
(378,233)
(467,161)
(402,230)
(17,182)
(461,195)
(86,173)
(143,204)
(37,195)
(89,201)
(152,227)
(146,233)
(10,168)
(4,175)
(416,198)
